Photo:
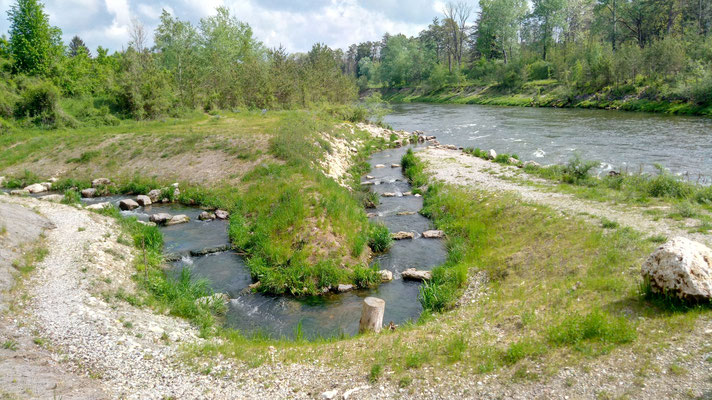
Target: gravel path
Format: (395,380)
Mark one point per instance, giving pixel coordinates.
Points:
(456,167)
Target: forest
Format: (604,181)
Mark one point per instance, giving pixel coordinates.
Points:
(218,64)
(658,50)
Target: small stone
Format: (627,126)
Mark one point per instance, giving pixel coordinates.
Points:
(406,213)
(160,218)
(386,275)
(433,234)
(254,286)
(128,204)
(206,216)
(222,214)
(415,275)
(389,194)
(342,288)
(178,219)
(98,206)
(370,177)
(491,154)
(402,235)
(367,183)
(395,165)
(36,188)
(379,166)
(154,195)
(533,164)
(330,395)
(143,200)
(89,193)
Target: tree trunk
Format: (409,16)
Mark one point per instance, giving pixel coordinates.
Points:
(372,315)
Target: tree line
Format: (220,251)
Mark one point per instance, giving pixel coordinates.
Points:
(218,64)
(657,49)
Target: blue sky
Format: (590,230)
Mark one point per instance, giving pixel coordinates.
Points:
(295,24)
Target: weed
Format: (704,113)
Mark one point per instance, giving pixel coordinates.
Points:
(404,382)
(522,349)
(609,224)
(455,349)
(595,326)
(375,373)
(415,359)
(658,238)
(379,239)
(10,345)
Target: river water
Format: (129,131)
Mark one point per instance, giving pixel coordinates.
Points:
(319,316)
(617,139)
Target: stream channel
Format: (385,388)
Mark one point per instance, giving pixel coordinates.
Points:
(320,316)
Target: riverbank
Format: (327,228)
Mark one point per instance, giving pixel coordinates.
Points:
(545,93)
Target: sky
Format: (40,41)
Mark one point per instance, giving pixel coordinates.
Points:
(294,24)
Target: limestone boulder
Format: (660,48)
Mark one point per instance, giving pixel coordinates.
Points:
(491,154)
(178,219)
(128,204)
(222,214)
(89,193)
(412,274)
(433,234)
(402,235)
(37,188)
(160,218)
(143,200)
(386,275)
(206,216)
(154,195)
(681,268)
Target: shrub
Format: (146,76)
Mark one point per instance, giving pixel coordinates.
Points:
(40,104)
(577,170)
(666,185)
(71,196)
(540,70)
(379,239)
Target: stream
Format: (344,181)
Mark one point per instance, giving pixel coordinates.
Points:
(319,316)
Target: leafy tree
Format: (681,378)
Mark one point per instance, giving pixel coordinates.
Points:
(77,46)
(34,43)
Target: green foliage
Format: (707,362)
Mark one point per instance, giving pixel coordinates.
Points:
(414,170)
(71,196)
(596,326)
(34,43)
(40,105)
(577,170)
(379,238)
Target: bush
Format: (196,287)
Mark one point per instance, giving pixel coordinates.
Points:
(379,239)
(540,70)
(666,185)
(577,170)
(40,104)
(71,196)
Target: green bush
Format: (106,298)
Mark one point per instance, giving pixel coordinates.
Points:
(39,103)
(71,196)
(666,185)
(577,170)
(379,239)
(540,70)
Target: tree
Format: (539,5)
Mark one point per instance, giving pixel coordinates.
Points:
(34,43)
(456,17)
(498,27)
(547,16)
(177,46)
(77,46)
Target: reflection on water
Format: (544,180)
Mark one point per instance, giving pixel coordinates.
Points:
(547,135)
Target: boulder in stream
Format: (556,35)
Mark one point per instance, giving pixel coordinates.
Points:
(38,188)
(681,268)
(395,165)
(160,218)
(413,274)
(386,275)
(206,216)
(178,219)
(407,213)
(128,204)
(402,235)
(154,195)
(89,193)
(222,214)
(389,194)
(143,200)
(379,166)
(342,288)
(433,234)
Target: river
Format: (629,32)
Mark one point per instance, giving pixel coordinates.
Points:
(619,140)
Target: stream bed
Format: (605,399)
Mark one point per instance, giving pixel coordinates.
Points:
(319,316)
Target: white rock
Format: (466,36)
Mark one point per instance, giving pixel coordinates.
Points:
(491,154)
(160,218)
(206,216)
(433,234)
(19,192)
(329,395)
(389,194)
(143,200)
(415,275)
(54,198)
(98,206)
(89,193)
(178,219)
(154,195)
(402,235)
(386,275)
(344,288)
(2,180)
(680,267)
(128,204)
(379,166)
(395,165)
(222,214)
(36,188)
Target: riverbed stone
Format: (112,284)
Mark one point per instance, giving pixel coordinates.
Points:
(402,235)
(19,192)
(154,195)
(178,219)
(160,218)
(407,213)
(389,194)
(53,198)
(531,164)
(367,183)
(37,188)
(513,161)
(433,234)
(128,204)
(254,286)
(342,288)
(222,214)
(413,274)
(89,193)
(491,154)
(98,206)
(379,166)
(100,182)
(681,268)
(395,165)
(143,200)
(386,275)
(206,216)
